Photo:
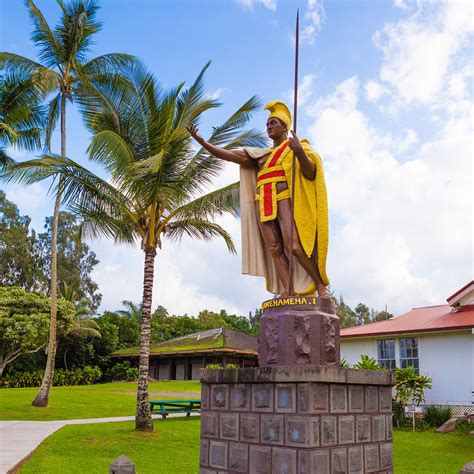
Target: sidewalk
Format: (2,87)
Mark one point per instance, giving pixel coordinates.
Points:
(18,439)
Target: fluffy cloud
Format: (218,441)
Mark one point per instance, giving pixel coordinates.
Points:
(249,4)
(425,51)
(402,225)
(374,90)
(313,19)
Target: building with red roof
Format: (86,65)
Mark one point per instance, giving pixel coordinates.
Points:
(436,340)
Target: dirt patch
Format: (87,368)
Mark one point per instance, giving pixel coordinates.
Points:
(187,395)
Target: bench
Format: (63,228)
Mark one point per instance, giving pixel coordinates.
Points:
(165,407)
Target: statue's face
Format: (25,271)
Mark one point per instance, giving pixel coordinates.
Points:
(275,128)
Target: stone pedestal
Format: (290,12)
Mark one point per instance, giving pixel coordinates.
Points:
(299,331)
(307,419)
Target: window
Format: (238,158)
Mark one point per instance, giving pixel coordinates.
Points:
(409,353)
(386,354)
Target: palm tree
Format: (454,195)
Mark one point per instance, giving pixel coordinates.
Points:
(64,68)
(21,114)
(157,180)
(82,325)
(133,311)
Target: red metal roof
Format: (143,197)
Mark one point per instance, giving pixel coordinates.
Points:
(427,319)
(465,287)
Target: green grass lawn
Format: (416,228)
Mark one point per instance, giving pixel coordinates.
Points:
(88,401)
(174,449)
(430,452)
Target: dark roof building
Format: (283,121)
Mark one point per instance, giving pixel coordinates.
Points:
(183,357)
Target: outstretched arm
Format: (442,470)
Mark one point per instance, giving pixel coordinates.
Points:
(235,156)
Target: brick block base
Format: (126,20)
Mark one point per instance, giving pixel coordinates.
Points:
(296,420)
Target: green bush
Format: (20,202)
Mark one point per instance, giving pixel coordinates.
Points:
(436,415)
(86,376)
(464,426)
(132,374)
(367,363)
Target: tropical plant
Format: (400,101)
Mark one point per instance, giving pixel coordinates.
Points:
(157,179)
(343,363)
(367,363)
(21,114)
(410,386)
(436,415)
(65,72)
(133,312)
(24,322)
(83,325)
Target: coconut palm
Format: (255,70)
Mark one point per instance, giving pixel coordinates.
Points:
(21,114)
(63,68)
(158,186)
(82,325)
(132,311)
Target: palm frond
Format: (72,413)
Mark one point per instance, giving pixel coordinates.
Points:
(198,229)
(211,205)
(75,28)
(51,51)
(54,110)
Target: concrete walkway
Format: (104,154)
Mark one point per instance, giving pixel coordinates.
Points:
(18,439)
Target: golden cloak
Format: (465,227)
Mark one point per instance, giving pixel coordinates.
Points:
(311,218)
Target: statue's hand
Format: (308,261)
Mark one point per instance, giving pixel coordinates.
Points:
(295,144)
(193,130)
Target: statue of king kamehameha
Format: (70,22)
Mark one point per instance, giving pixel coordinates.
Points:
(265,200)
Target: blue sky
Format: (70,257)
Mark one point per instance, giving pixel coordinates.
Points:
(385,97)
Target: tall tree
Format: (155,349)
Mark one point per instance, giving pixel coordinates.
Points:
(21,113)
(158,179)
(63,70)
(20,259)
(75,261)
(24,322)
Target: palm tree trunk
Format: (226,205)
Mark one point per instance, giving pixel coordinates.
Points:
(143,420)
(42,397)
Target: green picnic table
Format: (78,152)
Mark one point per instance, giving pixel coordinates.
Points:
(164,407)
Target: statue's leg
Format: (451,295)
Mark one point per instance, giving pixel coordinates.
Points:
(273,240)
(311,267)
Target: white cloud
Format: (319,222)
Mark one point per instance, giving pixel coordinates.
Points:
(420,52)
(305,91)
(216,94)
(250,4)
(374,90)
(312,22)
(405,143)
(404,227)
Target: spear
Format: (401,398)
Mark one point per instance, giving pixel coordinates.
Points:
(291,290)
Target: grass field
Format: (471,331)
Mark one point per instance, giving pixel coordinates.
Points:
(88,401)
(174,449)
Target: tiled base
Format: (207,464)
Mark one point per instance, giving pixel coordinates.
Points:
(296,420)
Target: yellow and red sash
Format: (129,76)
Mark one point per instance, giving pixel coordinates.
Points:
(267,178)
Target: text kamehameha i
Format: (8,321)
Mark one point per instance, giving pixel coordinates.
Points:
(292,300)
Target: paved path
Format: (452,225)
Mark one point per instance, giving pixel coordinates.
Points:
(18,439)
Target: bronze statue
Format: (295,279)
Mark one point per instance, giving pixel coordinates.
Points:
(266,207)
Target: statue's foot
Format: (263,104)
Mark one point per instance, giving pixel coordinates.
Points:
(323,292)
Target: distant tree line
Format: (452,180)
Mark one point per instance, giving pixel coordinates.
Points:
(89,338)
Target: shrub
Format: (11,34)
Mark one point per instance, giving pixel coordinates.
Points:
(398,413)
(367,363)
(464,426)
(119,370)
(436,415)
(86,376)
(132,374)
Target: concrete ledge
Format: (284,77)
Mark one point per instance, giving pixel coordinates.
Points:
(307,373)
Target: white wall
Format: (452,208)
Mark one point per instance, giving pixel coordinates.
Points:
(351,350)
(447,358)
